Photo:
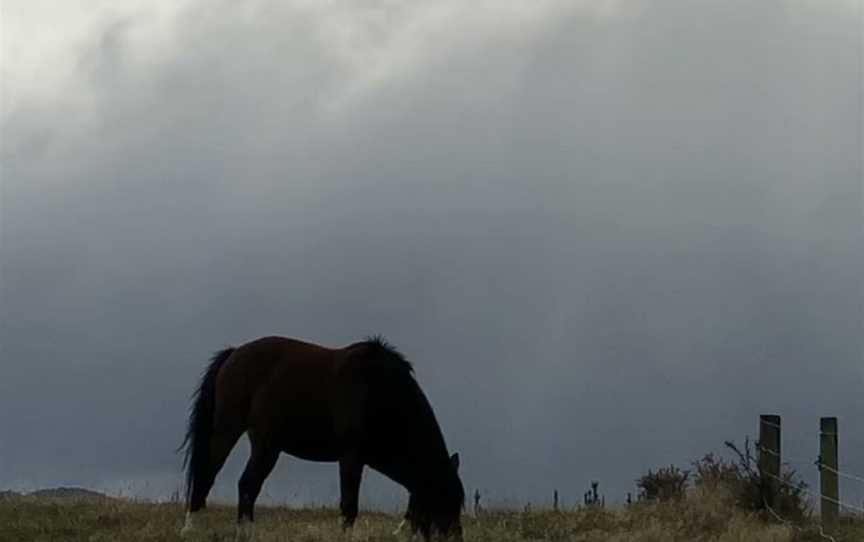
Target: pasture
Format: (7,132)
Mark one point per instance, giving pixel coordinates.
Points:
(702,516)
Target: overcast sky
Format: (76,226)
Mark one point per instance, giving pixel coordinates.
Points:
(609,234)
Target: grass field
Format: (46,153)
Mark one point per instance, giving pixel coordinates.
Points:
(699,518)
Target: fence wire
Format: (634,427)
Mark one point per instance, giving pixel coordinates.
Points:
(842,474)
(816,495)
(818,463)
(779,518)
(769,424)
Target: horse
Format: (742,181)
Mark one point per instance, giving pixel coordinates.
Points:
(358,405)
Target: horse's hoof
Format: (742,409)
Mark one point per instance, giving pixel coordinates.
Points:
(188,526)
(245,532)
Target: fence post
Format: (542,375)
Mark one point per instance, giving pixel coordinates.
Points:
(829,483)
(769,457)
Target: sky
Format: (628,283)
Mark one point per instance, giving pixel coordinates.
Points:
(608,234)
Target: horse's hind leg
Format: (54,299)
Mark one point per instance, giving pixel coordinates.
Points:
(221,443)
(261,462)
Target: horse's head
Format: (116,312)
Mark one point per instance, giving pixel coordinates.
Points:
(436,510)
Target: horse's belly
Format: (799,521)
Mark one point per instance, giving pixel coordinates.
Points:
(311,439)
(312,449)
(314,453)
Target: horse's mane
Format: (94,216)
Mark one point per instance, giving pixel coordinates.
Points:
(384,352)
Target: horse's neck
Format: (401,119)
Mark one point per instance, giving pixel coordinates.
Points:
(399,471)
(406,472)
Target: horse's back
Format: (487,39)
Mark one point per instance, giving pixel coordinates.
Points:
(275,345)
(278,360)
(284,387)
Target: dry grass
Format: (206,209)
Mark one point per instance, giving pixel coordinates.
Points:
(701,517)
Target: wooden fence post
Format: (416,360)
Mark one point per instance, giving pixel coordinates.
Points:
(828,468)
(769,457)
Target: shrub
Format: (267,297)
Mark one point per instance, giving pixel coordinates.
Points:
(713,472)
(666,484)
(748,485)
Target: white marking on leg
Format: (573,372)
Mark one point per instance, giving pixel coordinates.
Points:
(188,525)
(245,531)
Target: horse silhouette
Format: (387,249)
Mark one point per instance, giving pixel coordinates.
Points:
(358,405)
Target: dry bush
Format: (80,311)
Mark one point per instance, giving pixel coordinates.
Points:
(714,472)
(748,486)
(668,483)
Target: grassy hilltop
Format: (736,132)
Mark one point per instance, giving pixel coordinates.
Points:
(701,517)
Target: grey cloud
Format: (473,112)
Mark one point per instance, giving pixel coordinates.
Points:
(600,241)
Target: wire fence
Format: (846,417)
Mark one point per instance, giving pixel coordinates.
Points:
(788,523)
(813,495)
(818,464)
(841,474)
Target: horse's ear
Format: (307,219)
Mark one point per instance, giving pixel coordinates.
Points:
(455,460)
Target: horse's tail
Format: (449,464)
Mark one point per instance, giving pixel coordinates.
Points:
(200,428)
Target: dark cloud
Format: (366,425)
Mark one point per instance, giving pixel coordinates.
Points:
(608,241)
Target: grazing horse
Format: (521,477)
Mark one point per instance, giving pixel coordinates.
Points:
(358,405)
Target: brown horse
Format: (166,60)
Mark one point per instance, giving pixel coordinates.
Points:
(358,405)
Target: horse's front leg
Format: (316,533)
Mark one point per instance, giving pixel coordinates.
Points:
(409,515)
(350,474)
